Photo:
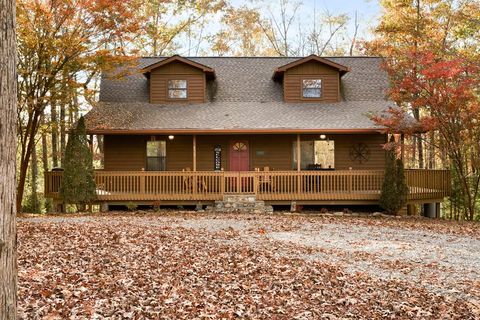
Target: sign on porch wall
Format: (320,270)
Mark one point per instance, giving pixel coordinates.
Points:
(217,156)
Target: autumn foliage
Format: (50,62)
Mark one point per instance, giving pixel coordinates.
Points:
(447,92)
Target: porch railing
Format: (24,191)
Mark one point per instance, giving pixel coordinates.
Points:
(272,185)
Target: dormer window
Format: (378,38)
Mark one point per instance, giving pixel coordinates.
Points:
(312,88)
(177,89)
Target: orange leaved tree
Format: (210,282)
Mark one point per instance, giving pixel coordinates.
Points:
(63,45)
(448,90)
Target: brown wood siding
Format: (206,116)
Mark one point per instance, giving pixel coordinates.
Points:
(159,77)
(179,153)
(205,149)
(343,143)
(292,82)
(123,153)
(274,151)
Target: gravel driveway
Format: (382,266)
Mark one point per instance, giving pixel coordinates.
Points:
(441,258)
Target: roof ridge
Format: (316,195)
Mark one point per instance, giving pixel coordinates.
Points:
(256,57)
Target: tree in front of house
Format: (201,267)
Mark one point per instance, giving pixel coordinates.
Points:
(78,183)
(393,196)
(8,141)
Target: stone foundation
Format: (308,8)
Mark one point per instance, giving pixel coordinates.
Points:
(241,204)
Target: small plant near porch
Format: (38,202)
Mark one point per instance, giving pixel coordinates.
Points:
(78,184)
(393,196)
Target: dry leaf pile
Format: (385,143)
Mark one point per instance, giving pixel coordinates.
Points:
(220,267)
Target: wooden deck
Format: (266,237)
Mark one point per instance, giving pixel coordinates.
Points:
(274,186)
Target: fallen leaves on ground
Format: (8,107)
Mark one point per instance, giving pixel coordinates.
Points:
(151,266)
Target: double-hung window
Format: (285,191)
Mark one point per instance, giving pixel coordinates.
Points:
(177,89)
(156,155)
(312,88)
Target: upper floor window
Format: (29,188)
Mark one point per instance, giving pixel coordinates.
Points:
(177,89)
(312,88)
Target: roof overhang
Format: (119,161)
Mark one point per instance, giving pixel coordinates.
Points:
(233,131)
(210,72)
(278,73)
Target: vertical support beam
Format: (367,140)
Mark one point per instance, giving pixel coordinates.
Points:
(195,180)
(402,146)
(194,152)
(91,144)
(437,210)
(299,160)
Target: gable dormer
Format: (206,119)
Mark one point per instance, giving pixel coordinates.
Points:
(311,79)
(178,80)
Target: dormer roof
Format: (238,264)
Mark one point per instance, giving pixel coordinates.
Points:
(210,72)
(278,73)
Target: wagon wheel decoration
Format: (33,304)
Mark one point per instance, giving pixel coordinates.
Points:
(359,153)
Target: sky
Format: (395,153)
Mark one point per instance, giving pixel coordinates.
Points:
(368,10)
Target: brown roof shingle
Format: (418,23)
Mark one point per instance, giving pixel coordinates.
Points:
(245,98)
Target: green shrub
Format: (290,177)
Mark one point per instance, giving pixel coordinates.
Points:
(393,196)
(402,187)
(78,183)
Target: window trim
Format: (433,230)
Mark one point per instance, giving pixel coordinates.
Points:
(312,77)
(168,89)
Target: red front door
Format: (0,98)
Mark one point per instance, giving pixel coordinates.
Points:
(239,155)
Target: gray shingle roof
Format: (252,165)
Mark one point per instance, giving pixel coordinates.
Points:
(245,98)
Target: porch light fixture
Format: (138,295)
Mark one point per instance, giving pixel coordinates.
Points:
(323,137)
(171,137)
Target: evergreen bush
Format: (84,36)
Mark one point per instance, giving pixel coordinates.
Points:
(402,187)
(78,183)
(388,195)
(393,196)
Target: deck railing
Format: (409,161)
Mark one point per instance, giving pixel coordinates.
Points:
(271,185)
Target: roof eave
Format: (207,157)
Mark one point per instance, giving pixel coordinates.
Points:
(234,131)
(209,71)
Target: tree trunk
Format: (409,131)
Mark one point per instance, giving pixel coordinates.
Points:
(100,150)
(26,147)
(54,127)
(8,145)
(431,151)
(34,182)
(62,133)
(418,141)
(44,152)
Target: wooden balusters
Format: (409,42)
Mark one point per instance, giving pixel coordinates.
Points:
(271,185)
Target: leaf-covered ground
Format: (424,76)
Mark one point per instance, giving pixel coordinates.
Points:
(191,266)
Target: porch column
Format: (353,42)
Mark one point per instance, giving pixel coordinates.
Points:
(194,152)
(402,146)
(298,153)
(91,144)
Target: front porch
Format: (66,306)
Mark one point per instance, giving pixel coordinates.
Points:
(273,187)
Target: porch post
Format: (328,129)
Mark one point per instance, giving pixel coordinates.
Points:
(402,146)
(91,144)
(298,153)
(194,152)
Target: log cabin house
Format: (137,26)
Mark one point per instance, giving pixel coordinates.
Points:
(182,130)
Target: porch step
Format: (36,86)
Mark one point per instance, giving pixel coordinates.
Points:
(242,204)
